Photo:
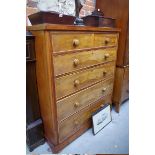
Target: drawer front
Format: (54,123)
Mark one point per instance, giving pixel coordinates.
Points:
(125,89)
(73,124)
(74,61)
(68,41)
(66,85)
(73,103)
(105,40)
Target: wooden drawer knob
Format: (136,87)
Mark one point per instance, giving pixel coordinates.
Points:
(76,62)
(76,104)
(106,56)
(76,42)
(102,105)
(76,123)
(76,83)
(104,73)
(106,41)
(104,89)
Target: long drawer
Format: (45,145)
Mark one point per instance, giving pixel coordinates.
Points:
(105,40)
(71,83)
(71,41)
(73,61)
(73,124)
(77,101)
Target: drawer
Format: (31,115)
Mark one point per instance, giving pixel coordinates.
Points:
(105,40)
(73,61)
(73,124)
(66,85)
(75,102)
(71,41)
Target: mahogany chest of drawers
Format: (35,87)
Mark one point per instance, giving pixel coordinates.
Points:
(75,75)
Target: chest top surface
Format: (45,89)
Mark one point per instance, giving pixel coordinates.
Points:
(51,27)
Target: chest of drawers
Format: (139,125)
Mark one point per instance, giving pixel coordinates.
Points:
(75,74)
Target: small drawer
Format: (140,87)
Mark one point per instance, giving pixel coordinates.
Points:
(70,62)
(74,123)
(75,102)
(71,41)
(66,85)
(105,40)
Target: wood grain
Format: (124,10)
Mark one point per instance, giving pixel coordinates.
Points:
(74,123)
(125,89)
(71,41)
(77,101)
(82,129)
(118,9)
(60,146)
(45,86)
(121,86)
(54,64)
(66,62)
(126,53)
(105,40)
(71,28)
(72,83)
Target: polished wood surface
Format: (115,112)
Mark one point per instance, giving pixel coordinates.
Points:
(105,40)
(51,17)
(121,86)
(82,129)
(79,40)
(125,89)
(54,27)
(126,54)
(56,148)
(75,102)
(71,41)
(68,76)
(71,83)
(75,61)
(118,9)
(45,86)
(74,123)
